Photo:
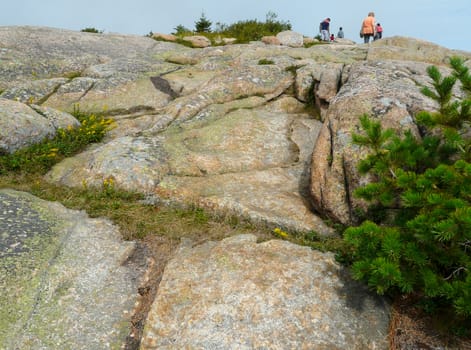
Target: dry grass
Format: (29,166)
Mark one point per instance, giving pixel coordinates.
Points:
(412,328)
(135,218)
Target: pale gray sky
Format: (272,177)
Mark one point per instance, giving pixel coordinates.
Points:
(443,22)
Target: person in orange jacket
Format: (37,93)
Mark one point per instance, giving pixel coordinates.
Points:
(368,27)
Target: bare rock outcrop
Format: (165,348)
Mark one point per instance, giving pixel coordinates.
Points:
(410,49)
(224,128)
(277,295)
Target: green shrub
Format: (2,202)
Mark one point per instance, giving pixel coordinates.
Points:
(418,236)
(242,31)
(253,30)
(181,30)
(92,30)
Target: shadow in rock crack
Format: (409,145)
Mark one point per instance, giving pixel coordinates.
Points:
(163,85)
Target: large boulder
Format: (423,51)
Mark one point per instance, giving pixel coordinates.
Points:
(22,125)
(270,40)
(290,38)
(388,91)
(64,277)
(165,37)
(197,40)
(240,294)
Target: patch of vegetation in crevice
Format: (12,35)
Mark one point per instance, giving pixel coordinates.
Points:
(265,61)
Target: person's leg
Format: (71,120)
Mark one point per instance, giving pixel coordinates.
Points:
(325,35)
(366,38)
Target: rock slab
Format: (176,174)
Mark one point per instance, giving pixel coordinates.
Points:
(240,294)
(63,277)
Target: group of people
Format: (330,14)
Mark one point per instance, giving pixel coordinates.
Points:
(369,29)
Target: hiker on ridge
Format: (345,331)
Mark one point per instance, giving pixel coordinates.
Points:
(379,32)
(368,28)
(324,29)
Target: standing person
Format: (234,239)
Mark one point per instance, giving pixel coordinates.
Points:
(379,31)
(340,33)
(368,27)
(324,29)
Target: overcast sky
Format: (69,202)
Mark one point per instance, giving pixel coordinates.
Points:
(444,22)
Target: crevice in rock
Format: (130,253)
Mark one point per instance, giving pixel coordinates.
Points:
(313,102)
(141,109)
(152,255)
(47,96)
(346,185)
(339,82)
(163,86)
(92,85)
(331,140)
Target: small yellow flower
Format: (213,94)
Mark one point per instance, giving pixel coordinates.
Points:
(281,233)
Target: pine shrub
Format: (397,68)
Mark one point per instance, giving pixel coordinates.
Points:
(417,236)
(203,25)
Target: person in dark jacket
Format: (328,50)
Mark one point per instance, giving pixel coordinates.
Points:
(324,29)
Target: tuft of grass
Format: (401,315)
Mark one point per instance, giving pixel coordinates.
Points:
(184,42)
(292,69)
(265,61)
(312,239)
(315,43)
(73,75)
